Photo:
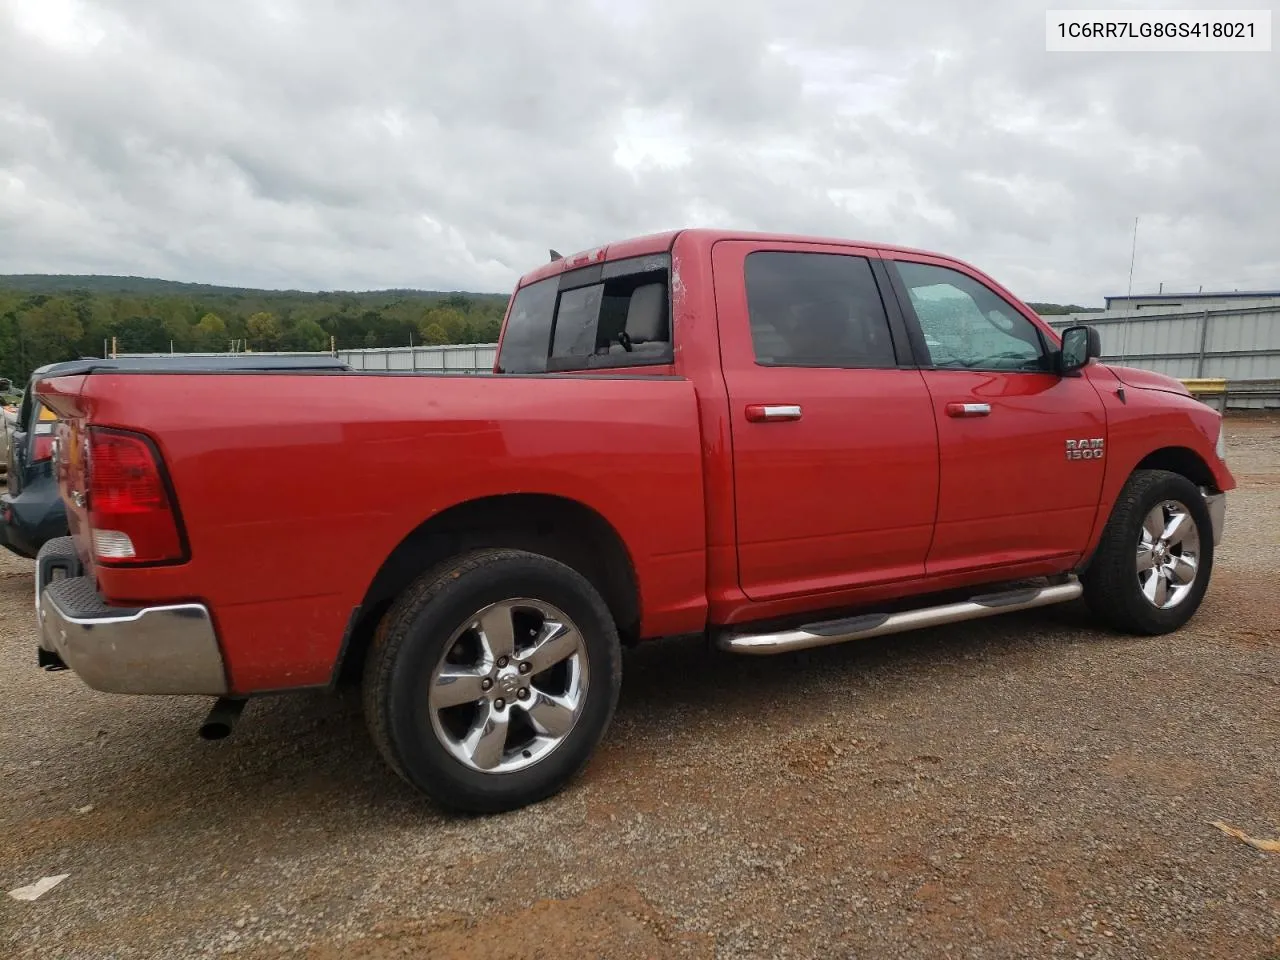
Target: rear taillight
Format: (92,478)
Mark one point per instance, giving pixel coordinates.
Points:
(131,512)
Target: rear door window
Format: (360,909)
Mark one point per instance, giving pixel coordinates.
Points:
(816,310)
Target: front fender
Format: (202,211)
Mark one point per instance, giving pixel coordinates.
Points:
(1157,429)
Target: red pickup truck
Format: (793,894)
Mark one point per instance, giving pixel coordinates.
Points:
(774,442)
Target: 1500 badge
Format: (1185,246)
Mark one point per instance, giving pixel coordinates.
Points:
(1085,449)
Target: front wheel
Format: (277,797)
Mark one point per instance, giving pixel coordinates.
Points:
(492,679)
(1153,564)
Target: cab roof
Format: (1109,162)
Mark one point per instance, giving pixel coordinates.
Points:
(663,242)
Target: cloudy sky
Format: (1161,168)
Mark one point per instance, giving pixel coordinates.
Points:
(448,143)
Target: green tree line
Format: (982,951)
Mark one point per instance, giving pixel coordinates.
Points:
(1060,309)
(48,319)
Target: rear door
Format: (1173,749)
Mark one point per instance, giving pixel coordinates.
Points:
(1021,448)
(835,452)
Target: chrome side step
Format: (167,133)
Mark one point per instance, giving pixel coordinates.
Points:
(879,624)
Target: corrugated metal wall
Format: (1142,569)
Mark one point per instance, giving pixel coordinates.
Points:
(1236,343)
(455,358)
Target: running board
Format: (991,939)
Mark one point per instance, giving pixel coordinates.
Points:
(880,624)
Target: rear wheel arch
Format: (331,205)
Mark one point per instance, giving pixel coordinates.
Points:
(560,528)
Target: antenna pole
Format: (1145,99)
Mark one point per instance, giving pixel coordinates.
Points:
(1133,254)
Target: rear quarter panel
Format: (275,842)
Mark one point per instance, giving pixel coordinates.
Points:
(295,488)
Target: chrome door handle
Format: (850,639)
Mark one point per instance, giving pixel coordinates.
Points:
(968,409)
(768,412)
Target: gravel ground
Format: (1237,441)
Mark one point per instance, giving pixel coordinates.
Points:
(1026,786)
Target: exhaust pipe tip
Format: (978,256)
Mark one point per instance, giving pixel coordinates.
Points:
(222,718)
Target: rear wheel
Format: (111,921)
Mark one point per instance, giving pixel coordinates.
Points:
(492,679)
(1152,567)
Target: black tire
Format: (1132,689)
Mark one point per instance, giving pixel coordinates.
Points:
(1111,586)
(410,643)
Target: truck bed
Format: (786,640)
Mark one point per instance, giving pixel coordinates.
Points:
(294,487)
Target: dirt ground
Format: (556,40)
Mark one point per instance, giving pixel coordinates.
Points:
(1026,786)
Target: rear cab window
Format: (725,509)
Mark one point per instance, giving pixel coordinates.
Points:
(610,315)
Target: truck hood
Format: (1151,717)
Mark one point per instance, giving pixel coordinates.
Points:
(1148,380)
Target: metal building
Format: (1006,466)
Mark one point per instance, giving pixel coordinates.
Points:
(477,358)
(1199,300)
(1238,341)
(455,358)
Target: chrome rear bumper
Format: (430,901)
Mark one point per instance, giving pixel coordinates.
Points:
(171,649)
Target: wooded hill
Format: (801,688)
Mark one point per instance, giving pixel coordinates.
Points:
(46,318)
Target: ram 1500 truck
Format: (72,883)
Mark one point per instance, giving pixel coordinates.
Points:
(775,442)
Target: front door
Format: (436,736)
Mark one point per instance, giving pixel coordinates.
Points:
(834,445)
(1021,448)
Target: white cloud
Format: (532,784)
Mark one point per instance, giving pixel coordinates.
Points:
(646,138)
(63,24)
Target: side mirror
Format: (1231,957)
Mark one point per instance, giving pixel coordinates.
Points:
(1080,344)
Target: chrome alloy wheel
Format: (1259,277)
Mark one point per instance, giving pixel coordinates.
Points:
(1168,554)
(510,687)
